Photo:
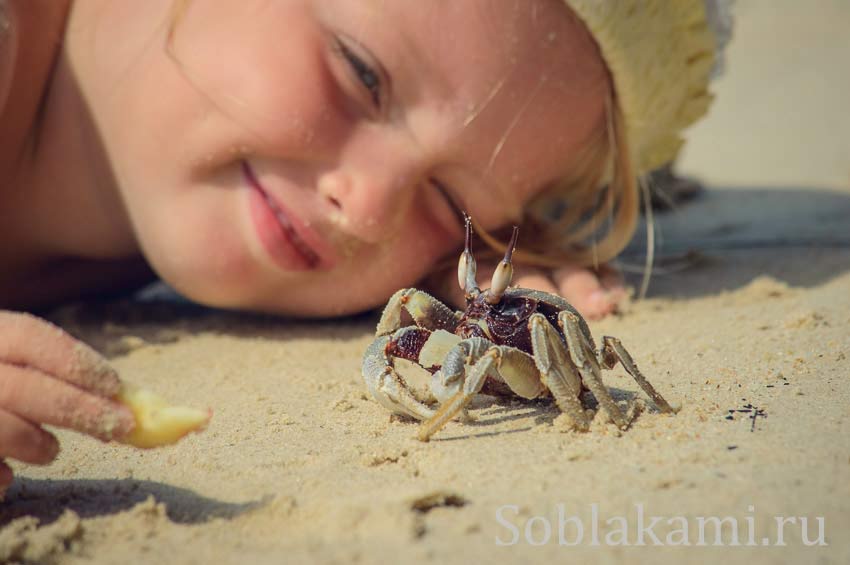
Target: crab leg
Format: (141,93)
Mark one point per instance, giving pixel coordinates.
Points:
(587,364)
(471,386)
(557,370)
(387,386)
(612,351)
(427,312)
(512,366)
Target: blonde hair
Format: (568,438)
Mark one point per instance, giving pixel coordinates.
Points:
(590,215)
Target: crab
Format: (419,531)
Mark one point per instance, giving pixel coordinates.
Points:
(509,341)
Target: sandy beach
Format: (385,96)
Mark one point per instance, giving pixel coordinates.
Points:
(746,326)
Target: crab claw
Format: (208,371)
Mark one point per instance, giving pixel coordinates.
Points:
(503,273)
(466,267)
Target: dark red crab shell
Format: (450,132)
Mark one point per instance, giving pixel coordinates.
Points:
(506,322)
(503,323)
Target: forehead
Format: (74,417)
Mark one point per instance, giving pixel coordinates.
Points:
(512,86)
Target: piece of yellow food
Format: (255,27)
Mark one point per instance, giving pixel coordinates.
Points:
(157,422)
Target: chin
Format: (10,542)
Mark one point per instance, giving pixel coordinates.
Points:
(300,306)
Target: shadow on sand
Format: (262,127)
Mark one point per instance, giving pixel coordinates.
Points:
(728,236)
(48,499)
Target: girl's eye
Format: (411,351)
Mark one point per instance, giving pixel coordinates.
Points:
(368,77)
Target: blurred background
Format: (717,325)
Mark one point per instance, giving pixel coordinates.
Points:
(774,156)
(781,116)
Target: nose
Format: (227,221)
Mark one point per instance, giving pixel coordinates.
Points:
(372,191)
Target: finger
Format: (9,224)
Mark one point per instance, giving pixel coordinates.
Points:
(612,281)
(42,399)
(610,278)
(31,342)
(581,288)
(524,276)
(534,278)
(24,441)
(5,478)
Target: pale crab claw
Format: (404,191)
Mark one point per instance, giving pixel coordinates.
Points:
(503,273)
(466,267)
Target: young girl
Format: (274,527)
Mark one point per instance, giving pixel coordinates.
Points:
(310,157)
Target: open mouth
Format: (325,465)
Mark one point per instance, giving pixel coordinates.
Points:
(277,231)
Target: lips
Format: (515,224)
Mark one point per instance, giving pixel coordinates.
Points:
(288,241)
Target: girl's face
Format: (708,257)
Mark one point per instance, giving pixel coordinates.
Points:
(310,156)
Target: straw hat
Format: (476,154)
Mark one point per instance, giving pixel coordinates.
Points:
(660,54)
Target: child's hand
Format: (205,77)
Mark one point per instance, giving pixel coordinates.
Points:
(48,377)
(594,293)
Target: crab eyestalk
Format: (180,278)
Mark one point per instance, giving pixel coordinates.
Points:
(503,273)
(466,267)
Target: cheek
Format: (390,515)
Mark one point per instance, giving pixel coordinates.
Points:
(264,68)
(415,254)
(197,243)
(425,239)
